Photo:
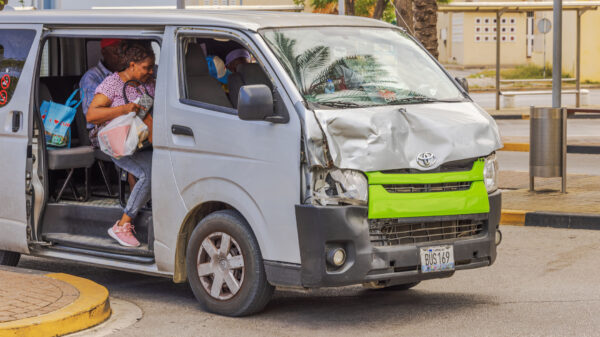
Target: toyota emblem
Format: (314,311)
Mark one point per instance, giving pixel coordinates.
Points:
(426,159)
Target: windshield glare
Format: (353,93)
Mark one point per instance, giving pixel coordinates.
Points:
(347,67)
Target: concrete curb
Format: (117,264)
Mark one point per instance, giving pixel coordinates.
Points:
(91,308)
(526,116)
(579,149)
(550,219)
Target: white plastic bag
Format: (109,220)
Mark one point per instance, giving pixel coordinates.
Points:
(122,135)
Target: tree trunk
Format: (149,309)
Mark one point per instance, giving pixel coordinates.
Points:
(404,14)
(349,7)
(379,8)
(425,12)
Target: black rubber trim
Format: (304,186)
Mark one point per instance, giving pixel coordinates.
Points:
(283,273)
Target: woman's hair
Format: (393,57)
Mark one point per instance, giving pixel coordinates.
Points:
(138,52)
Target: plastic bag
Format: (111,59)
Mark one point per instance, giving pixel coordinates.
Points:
(122,136)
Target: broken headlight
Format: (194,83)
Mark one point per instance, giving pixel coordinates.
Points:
(339,187)
(490,173)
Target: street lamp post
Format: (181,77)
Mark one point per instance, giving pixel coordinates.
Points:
(180,4)
(557,54)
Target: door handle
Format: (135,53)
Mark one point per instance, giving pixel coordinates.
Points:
(16,120)
(181,130)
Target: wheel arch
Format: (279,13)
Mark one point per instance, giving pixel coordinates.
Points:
(189,223)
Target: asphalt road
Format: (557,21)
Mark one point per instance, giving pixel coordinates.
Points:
(488,99)
(544,283)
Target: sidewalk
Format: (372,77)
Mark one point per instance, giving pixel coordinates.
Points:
(36,303)
(547,206)
(523,112)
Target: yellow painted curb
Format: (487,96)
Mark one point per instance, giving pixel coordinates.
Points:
(512,218)
(519,147)
(90,309)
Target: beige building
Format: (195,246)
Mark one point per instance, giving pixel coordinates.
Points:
(468,39)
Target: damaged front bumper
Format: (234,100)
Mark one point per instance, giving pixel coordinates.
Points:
(322,228)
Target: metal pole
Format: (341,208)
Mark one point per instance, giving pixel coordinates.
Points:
(557,54)
(578,64)
(563,187)
(180,4)
(498,15)
(342,7)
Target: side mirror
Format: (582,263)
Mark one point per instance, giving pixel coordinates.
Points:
(255,102)
(463,83)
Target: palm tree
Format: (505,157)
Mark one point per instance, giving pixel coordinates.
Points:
(425,15)
(311,70)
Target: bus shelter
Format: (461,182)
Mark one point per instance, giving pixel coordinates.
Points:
(500,8)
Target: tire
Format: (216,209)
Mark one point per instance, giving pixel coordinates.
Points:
(9,258)
(240,265)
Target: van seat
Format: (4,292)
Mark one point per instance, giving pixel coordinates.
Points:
(247,74)
(75,157)
(200,85)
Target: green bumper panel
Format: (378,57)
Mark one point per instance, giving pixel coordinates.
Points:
(383,204)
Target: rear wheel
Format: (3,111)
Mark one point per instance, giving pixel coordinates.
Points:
(225,266)
(9,258)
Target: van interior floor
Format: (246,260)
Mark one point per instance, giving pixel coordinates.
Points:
(83,227)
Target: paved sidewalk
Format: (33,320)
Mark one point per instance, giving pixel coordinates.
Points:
(28,295)
(35,303)
(578,208)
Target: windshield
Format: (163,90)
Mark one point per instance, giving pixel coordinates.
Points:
(348,67)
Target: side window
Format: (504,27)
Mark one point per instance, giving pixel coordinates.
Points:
(214,69)
(14,48)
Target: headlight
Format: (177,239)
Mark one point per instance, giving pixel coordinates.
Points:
(335,187)
(490,173)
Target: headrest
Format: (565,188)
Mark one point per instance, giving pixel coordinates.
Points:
(195,61)
(253,74)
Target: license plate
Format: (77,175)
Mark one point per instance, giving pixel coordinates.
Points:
(438,258)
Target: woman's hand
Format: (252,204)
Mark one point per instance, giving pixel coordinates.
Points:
(129,107)
(100,111)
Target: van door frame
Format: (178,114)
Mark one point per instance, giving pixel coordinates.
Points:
(14,214)
(139,33)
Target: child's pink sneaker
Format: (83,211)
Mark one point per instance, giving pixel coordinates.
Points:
(123,234)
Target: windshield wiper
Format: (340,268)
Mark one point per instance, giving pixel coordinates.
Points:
(412,99)
(339,104)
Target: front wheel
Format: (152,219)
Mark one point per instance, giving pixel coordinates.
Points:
(225,266)
(9,258)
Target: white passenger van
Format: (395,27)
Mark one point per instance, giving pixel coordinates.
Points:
(342,154)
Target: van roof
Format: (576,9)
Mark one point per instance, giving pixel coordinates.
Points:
(252,20)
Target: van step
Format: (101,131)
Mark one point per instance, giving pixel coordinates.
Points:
(105,255)
(95,243)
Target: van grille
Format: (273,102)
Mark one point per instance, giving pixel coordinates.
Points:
(423,188)
(395,231)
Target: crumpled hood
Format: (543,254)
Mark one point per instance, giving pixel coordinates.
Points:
(385,138)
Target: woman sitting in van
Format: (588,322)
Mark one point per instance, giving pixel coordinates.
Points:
(109,103)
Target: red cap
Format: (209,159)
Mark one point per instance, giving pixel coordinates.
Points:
(109,42)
